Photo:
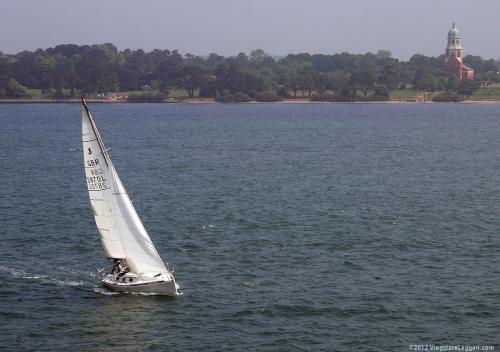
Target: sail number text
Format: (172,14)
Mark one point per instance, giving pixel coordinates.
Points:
(96,180)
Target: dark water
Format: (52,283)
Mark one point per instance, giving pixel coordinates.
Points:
(291,228)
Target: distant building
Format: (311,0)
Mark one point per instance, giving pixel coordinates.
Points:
(454,65)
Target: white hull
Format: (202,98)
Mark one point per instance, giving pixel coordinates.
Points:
(152,286)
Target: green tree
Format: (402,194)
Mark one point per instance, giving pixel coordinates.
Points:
(452,83)
(26,69)
(475,62)
(96,70)
(129,78)
(192,78)
(467,88)
(336,81)
(15,89)
(288,77)
(424,79)
(391,74)
(382,53)
(364,78)
(5,71)
(209,89)
(168,70)
(230,76)
(213,61)
(381,92)
(64,73)
(308,79)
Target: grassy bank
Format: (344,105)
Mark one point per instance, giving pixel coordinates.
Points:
(487,93)
(491,93)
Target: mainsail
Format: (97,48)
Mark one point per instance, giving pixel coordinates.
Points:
(122,233)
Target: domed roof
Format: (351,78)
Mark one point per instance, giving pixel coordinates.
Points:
(454,33)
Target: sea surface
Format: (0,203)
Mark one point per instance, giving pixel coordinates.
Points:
(321,227)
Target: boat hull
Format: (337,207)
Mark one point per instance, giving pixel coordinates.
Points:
(160,287)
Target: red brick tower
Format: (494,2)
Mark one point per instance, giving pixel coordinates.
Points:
(454,65)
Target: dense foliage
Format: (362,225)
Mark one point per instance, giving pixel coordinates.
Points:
(70,70)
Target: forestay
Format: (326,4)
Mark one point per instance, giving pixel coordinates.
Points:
(122,233)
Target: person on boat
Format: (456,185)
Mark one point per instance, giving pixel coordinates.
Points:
(117,266)
(123,269)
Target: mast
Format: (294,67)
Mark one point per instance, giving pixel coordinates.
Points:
(96,132)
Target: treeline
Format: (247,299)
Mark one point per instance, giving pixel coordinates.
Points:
(71,70)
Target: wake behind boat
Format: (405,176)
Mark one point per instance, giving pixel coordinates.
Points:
(138,267)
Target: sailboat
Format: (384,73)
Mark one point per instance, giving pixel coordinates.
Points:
(138,266)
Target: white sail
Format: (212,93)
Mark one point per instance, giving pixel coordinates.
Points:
(122,233)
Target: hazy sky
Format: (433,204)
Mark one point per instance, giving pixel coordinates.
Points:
(226,27)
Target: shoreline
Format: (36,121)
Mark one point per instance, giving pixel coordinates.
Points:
(211,101)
